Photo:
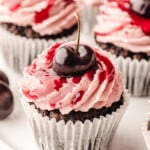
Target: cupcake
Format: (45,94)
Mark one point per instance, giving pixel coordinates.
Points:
(146,131)
(29,26)
(124,30)
(74,97)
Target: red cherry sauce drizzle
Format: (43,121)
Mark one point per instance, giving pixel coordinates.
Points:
(49,57)
(76,80)
(120,1)
(90,74)
(45,13)
(15,7)
(109,69)
(143,23)
(68,2)
(105,34)
(59,83)
(137,20)
(52,105)
(77,97)
(32,69)
(51,53)
(102,77)
(118,28)
(28,95)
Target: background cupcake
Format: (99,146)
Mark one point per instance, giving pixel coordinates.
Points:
(124,32)
(146,131)
(29,26)
(73,104)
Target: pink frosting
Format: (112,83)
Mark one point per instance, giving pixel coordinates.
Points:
(114,26)
(96,88)
(45,16)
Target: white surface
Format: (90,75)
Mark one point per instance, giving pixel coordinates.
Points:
(15,130)
(4,146)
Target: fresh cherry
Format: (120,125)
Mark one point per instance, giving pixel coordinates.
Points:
(141,7)
(3,77)
(74,59)
(6,101)
(68,61)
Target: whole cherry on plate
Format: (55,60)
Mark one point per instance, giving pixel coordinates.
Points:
(141,7)
(6,101)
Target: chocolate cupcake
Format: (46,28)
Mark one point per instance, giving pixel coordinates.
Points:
(123,30)
(74,97)
(146,131)
(28,27)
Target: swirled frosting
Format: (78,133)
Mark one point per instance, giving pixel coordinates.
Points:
(45,16)
(115,25)
(96,88)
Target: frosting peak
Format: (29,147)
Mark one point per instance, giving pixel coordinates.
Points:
(96,88)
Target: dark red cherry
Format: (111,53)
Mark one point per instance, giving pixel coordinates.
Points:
(85,54)
(3,77)
(6,101)
(69,62)
(141,7)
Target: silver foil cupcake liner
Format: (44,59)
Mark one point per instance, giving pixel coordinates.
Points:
(19,52)
(136,75)
(146,132)
(95,135)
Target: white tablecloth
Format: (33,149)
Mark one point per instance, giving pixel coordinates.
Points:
(16,132)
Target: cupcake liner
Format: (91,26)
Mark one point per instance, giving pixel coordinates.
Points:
(145,132)
(136,75)
(19,52)
(88,19)
(52,135)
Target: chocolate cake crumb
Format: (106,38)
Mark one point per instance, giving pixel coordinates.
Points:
(28,32)
(80,116)
(118,51)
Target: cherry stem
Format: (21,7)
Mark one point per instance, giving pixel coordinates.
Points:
(78,37)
